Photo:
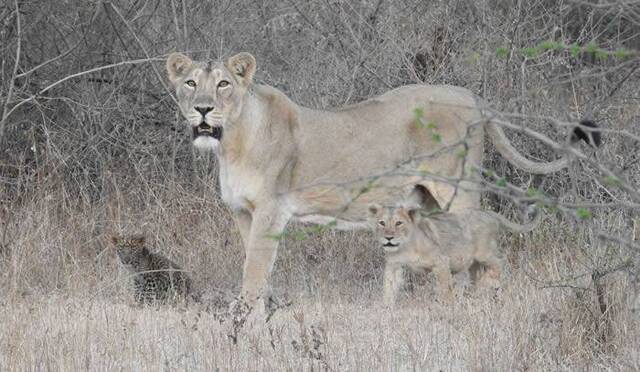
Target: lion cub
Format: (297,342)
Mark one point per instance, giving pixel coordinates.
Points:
(443,243)
(155,277)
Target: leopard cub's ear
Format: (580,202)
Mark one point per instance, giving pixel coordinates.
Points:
(138,240)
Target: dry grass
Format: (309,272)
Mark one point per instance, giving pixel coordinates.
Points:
(524,329)
(66,308)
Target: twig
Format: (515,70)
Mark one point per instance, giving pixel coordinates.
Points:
(5,113)
(135,36)
(69,77)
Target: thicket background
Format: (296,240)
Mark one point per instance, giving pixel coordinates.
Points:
(90,145)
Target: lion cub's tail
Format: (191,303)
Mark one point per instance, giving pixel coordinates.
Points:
(516,227)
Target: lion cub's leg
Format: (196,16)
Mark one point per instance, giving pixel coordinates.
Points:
(444,279)
(492,273)
(393,279)
(486,270)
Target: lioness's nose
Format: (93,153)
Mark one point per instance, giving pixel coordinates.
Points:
(388,238)
(203,110)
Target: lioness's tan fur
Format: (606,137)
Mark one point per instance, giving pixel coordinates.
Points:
(443,243)
(279,160)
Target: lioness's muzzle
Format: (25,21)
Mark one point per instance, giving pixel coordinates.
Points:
(205,129)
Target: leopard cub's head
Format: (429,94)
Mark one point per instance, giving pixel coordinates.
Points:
(130,248)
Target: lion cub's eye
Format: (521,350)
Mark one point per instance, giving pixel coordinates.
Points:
(381,223)
(398,223)
(223,84)
(190,83)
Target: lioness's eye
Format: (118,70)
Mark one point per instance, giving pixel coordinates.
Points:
(381,223)
(223,84)
(190,83)
(398,223)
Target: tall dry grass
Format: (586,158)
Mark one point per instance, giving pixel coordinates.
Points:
(104,152)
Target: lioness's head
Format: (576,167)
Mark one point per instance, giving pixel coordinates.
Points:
(393,226)
(130,248)
(210,94)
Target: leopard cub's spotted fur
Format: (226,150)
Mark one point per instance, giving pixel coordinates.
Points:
(155,277)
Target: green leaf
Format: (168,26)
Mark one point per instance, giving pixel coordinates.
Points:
(501,182)
(475,57)
(533,192)
(575,50)
(591,47)
(461,153)
(622,53)
(612,180)
(551,45)
(583,213)
(436,137)
(601,54)
(502,52)
(530,52)
(489,173)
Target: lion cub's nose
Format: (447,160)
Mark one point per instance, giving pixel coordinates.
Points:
(203,110)
(389,238)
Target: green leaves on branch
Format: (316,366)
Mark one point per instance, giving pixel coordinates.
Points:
(583,213)
(430,126)
(574,50)
(612,181)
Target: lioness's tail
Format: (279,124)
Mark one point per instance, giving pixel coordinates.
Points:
(516,227)
(586,130)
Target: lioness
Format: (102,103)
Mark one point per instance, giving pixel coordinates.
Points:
(443,243)
(279,160)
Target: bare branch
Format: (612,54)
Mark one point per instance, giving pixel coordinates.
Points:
(6,113)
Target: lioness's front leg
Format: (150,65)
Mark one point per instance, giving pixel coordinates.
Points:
(243,222)
(266,226)
(393,279)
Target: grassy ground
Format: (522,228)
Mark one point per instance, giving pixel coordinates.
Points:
(336,320)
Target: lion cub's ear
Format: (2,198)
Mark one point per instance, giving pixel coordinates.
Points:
(243,65)
(374,209)
(413,214)
(177,66)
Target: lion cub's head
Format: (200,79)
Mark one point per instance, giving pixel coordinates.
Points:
(130,248)
(210,93)
(393,226)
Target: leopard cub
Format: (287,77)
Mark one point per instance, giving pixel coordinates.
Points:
(156,279)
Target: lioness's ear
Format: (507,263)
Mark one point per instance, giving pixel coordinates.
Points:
(243,65)
(374,209)
(177,65)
